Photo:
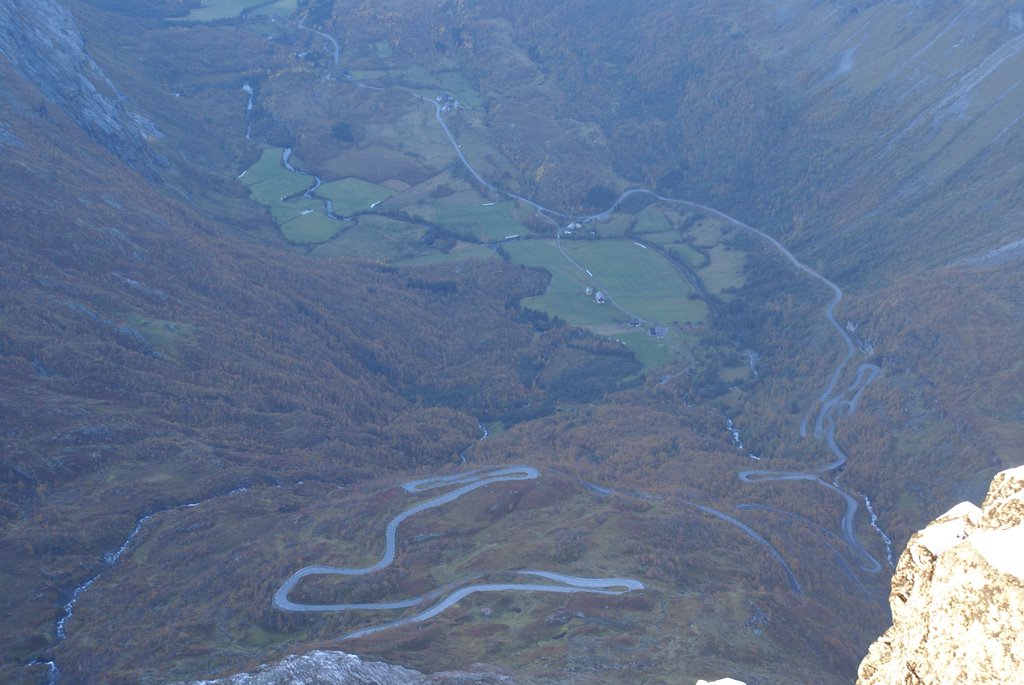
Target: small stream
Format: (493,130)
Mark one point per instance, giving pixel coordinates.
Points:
(248,89)
(830,404)
(110,559)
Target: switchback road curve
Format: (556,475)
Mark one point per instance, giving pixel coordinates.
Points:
(828,403)
(444,598)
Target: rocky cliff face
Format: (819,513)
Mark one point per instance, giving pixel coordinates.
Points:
(339,668)
(40,40)
(958,597)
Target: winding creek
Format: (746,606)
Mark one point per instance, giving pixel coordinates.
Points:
(831,404)
(110,559)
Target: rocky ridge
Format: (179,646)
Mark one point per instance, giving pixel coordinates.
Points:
(958,597)
(340,668)
(40,39)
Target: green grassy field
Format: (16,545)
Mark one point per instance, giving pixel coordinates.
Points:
(351,195)
(670,241)
(315,227)
(651,220)
(161,334)
(653,352)
(640,280)
(724,271)
(461,252)
(265,168)
(565,296)
(301,220)
(460,86)
(706,233)
(212,10)
(376,238)
(489,221)
(616,226)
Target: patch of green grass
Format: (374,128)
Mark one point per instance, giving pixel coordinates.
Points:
(661,238)
(281,8)
(459,85)
(213,10)
(264,26)
(414,77)
(283,212)
(653,352)
(706,233)
(351,195)
(691,257)
(163,335)
(376,238)
(314,227)
(651,220)
(301,220)
(266,167)
(274,190)
(617,225)
(367,74)
(565,296)
(640,280)
(269,182)
(460,253)
(487,221)
(725,270)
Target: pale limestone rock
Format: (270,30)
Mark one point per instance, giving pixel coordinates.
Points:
(958,598)
(339,668)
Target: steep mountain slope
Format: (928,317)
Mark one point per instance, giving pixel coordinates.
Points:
(161,346)
(41,41)
(879,141)
(149,361)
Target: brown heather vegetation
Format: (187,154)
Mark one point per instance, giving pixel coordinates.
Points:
(159,346)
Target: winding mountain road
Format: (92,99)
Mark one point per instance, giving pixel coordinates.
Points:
(466,482)
(828,402)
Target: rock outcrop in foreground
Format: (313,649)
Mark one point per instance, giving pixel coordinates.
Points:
(958,597)
(339,668)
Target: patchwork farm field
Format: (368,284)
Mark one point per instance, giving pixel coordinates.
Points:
(640,281)
(301,220)
(411,203)
(351,195)
(214,10)
(489,221)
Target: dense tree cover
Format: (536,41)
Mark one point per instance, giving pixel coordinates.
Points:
(149,360)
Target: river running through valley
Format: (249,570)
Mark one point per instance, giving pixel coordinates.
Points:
(831,404)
